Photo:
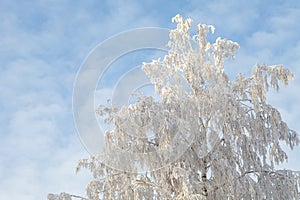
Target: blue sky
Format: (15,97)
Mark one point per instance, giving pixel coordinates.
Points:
(43,43)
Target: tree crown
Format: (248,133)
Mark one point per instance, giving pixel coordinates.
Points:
(213,138)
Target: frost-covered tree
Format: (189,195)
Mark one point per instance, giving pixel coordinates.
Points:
(230,137)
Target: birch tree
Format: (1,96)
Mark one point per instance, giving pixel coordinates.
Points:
(232,137)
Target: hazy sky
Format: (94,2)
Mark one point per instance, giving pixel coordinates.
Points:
(43,44)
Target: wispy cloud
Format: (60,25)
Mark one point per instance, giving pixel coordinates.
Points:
(42,45)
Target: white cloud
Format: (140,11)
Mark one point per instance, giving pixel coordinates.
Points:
(42,48)
(34,176)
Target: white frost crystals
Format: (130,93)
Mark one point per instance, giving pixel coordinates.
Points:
(227,136)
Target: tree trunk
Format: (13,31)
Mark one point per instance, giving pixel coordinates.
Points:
(204,177)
